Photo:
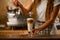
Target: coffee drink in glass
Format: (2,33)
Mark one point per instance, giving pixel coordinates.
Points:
(30,24)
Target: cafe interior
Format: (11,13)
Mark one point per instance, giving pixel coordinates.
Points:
(15,26)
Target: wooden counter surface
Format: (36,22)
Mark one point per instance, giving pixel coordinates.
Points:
(23,34)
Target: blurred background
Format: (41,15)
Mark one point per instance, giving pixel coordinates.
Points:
(3,10)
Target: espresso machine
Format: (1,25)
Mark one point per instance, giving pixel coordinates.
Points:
(12,15)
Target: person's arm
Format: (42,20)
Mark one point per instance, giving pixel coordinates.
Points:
(22,7)
(48,22)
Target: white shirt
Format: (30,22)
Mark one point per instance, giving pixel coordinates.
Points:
(41,9)
(56,2)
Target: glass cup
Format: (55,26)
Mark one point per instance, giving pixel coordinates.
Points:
(30,24)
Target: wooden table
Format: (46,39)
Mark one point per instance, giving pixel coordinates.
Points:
(23,34)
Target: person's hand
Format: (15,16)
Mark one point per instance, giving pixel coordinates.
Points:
(35,31)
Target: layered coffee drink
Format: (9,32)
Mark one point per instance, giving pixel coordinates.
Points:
(30,23)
